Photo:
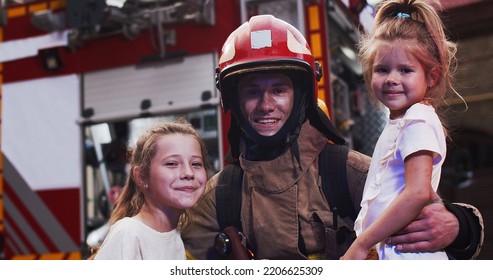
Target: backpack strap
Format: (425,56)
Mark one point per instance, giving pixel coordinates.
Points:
(228,196)
(332,169)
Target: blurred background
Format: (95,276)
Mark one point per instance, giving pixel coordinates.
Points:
(81,79)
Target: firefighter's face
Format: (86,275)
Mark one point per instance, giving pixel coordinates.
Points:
(177,173)
(266,101)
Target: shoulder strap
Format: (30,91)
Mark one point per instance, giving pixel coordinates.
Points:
(332,169)
(228,196)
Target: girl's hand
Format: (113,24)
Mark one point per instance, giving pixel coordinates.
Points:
(355,252)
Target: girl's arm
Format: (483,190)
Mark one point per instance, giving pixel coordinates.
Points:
(416,194)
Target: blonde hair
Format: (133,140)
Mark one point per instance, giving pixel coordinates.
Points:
(422,34)
(132,199)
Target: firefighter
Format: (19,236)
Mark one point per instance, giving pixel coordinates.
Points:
(267,77)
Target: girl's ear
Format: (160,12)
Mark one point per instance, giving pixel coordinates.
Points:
(433,77)
(139,179)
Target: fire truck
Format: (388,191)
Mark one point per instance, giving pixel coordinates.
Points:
(81,79)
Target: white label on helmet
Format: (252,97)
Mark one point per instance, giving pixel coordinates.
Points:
(261,39)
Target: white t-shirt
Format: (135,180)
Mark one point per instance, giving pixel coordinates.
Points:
(419,129)
(130,239)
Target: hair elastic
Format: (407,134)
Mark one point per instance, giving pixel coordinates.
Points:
(402,15)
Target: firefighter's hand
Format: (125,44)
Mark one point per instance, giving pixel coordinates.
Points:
(433,229)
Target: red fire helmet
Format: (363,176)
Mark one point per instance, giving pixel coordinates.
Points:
(265,43)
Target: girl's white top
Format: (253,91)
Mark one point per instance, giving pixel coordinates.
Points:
(130,239)
(419,129)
